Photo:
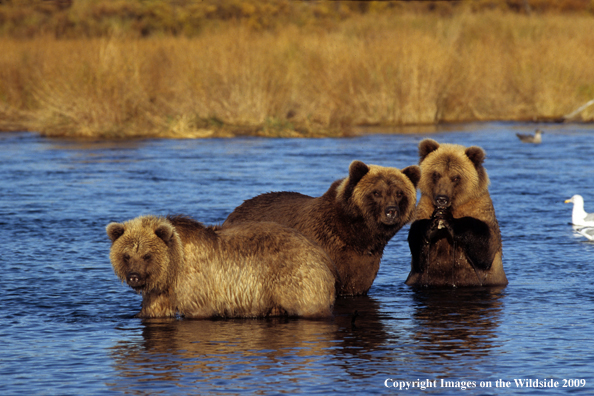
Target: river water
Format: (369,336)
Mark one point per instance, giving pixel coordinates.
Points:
(67,325)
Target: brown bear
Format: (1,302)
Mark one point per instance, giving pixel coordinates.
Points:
(455,238)
(252,270)
(353,221)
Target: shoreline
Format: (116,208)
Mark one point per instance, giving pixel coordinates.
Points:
(233,131)
(354,131)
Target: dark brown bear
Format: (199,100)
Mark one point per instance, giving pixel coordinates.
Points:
(455,238)
(353,221)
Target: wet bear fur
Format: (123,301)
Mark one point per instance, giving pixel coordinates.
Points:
(252,270)
(353,221)
(455,238)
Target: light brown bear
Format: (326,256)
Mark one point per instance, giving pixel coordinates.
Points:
(353,221)
(253,270)
(455,238)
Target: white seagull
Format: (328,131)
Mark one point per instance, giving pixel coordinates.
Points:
(588,232)
(579,217)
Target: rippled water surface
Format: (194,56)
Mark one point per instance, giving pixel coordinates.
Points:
(67,327)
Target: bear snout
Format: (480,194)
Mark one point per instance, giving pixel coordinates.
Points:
(442,201)
(134,280)
(391,213)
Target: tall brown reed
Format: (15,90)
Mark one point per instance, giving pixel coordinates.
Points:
(292,81)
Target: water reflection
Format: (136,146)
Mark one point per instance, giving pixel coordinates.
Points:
(362,336)
(452,322)
(214,351)
(360,325)
(223,350)
(447,323)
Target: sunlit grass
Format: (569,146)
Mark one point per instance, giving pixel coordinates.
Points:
(376,69)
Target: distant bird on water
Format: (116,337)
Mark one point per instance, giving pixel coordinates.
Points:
(579,217)
(527,138)
(588,232)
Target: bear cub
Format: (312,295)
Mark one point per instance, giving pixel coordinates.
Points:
(353,221)
(455,238)
(252,270)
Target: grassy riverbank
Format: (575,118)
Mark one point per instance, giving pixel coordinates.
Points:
(315,76)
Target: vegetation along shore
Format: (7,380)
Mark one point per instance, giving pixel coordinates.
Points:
(191,69)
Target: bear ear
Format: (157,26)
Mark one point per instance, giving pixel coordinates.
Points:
(357,170)
(425,147)
(165,232)
(476,155)
(114,231)
(413,172)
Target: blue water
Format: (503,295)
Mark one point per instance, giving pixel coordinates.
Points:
(67,325)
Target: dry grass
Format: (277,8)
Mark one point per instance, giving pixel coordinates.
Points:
(395,69)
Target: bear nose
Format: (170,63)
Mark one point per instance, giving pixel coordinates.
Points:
(442,201)
(133,278)
(391,211)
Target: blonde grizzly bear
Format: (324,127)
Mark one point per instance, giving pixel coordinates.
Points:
(455,238)
(353,221)
(253,270)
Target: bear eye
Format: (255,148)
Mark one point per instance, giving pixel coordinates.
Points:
(435,176)
(126,258)
(399,194)
(376,193)
(147,257)
(455,179)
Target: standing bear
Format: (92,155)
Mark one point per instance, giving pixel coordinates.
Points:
(455,238)
(253,270)
(353,221)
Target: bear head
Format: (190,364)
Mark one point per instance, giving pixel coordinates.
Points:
(385,196)
(451,174)
(145,253)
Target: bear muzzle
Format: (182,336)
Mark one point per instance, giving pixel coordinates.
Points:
(442,201)
(134,280)
(391,214)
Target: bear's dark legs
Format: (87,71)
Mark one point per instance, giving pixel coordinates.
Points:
(474,237)
(420,237)
(469,233)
